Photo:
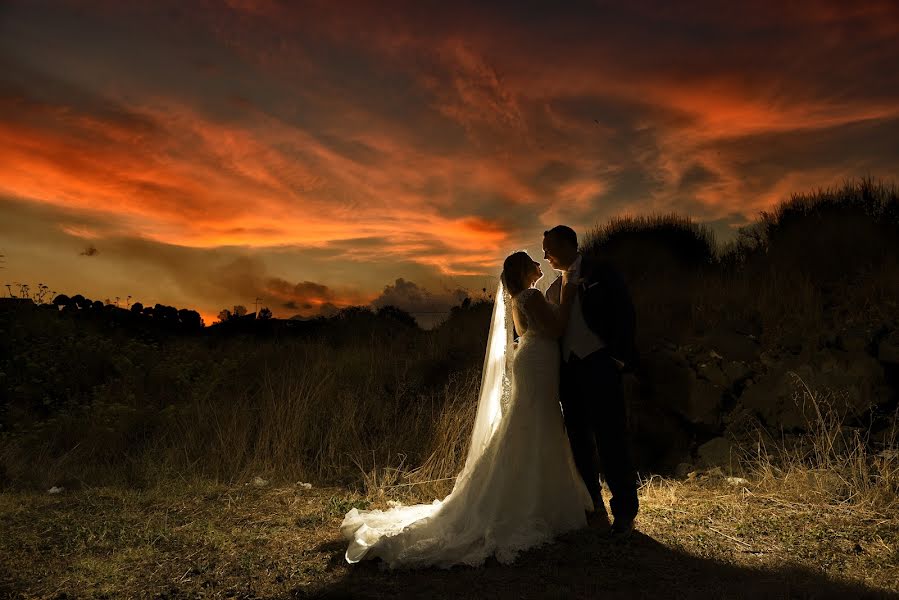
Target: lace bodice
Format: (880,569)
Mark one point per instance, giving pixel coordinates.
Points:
(533,326)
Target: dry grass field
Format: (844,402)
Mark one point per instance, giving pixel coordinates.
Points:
(705,536)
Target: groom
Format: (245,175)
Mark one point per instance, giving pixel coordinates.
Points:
(597,344)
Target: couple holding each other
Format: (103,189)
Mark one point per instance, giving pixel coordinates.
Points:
(524,482)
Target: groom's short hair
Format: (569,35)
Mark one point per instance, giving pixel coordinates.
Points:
(564,233)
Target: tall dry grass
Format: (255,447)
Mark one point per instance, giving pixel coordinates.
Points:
(830,464)
(294,410)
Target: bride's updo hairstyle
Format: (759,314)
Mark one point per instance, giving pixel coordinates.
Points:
(515,269)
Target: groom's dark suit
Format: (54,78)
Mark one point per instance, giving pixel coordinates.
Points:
(590,386)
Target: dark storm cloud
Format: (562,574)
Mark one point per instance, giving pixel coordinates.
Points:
(695,176)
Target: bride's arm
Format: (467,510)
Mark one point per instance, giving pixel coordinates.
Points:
(549,320)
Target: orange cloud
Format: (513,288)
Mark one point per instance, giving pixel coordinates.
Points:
(229,186)
(440,138)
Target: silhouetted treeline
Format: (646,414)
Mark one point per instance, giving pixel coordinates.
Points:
(92,357)
(166,317)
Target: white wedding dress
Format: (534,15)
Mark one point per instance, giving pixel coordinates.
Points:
(519,487)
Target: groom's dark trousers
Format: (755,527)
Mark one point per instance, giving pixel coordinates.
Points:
(593,402)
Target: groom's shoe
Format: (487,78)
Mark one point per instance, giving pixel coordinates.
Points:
(622,529)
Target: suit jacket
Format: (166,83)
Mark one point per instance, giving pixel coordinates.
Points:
(607,307)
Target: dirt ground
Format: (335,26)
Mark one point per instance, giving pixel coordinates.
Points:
(699,539)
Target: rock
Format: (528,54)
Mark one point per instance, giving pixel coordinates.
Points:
(259,482)
(659,441)
(888,348)
(716,452)
(793,341)
(736,480)
(736,371)
(732,346)
(850,381)
(772,398)
(682,470)
(769,359)
(887,437)
(713,473)
(856,377)
(703,406)
(712,372)
(855,340)
(739,417)
(56,490)
(748,323)
(668,376)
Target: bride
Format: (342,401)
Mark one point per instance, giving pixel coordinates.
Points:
(519,487)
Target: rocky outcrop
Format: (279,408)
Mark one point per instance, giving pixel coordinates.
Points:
(888,348)
(712,386)
(717,452)
(851,382)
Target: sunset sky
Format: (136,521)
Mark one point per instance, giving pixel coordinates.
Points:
(321,154)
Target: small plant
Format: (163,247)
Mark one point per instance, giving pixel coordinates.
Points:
(340,505)
(43,291)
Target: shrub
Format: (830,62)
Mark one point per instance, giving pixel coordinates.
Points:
(646,246)
(832,234)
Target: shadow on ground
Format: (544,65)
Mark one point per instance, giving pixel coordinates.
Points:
(585,565)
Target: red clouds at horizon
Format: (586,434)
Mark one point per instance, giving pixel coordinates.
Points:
(443,136)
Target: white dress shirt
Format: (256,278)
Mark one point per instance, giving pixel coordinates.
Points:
(578,338)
